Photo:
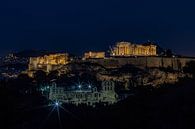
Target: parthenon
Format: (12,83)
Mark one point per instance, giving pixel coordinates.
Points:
(129,49)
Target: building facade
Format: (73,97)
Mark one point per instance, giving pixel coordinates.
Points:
(88,95)
(94,55)
(48,63)
(129,49)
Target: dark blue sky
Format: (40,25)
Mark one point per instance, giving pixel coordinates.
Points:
(79,25)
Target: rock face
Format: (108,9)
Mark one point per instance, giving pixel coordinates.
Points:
(156,77)
(151,77)
(127,76)
(145,62)
(79,68)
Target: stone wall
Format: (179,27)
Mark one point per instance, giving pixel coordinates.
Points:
(143,62)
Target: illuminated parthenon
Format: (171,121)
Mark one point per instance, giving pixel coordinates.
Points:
(129,49)
(52,62)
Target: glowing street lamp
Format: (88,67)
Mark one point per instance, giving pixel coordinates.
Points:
(57,104)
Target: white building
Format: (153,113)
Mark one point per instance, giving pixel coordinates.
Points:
(89,96)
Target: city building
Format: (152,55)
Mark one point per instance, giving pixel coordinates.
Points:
(129,49)
(94,55)
(85,94)
(48,63)
(11,66)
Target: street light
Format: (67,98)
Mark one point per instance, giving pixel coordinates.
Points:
(57,104)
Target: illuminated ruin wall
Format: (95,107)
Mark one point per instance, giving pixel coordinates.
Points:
(48,62)
(143,62)
(96,55)
(128,49)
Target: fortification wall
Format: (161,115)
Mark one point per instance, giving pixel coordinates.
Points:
(143,62)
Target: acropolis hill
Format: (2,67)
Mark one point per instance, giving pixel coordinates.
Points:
(142,56)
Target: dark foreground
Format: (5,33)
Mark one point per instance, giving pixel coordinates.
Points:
(171,107)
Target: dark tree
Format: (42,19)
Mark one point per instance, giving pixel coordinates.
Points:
(52,75)
(40,76)
(169,53)
(88,77)
(190,68)
(24,78)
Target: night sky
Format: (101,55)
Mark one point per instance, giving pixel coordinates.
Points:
(79,25)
